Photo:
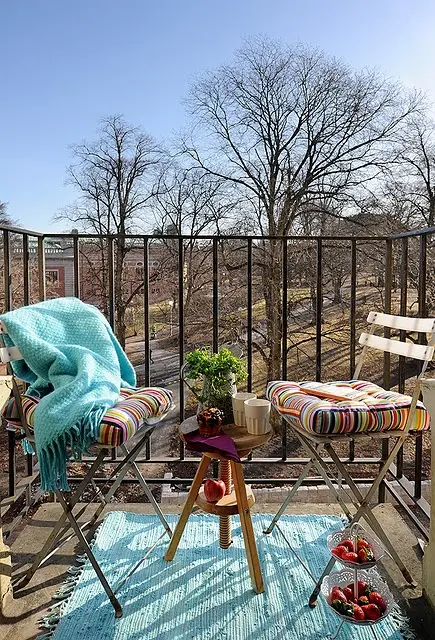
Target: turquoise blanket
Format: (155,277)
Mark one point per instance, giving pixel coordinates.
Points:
(74,362)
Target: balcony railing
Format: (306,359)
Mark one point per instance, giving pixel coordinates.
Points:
(213,290)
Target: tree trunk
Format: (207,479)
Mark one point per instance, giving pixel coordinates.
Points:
(337,290)
(271,280)
(120,327)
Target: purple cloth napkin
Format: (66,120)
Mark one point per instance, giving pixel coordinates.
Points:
(221,443)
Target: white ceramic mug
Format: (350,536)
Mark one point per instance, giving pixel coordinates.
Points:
(239,406)
(257,412)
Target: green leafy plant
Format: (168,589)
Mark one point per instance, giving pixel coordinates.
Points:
(216,372)
(216,367)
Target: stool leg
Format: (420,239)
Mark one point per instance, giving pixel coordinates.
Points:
(225,521)
(247,528)
(187,509)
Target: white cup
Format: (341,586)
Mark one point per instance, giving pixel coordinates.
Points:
(257,414)
(239,406)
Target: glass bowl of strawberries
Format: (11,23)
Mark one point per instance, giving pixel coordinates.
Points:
(372,604)
(355,547)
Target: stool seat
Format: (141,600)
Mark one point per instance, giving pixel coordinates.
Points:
(226,506)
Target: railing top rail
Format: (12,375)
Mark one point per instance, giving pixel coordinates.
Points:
(144,236)
(414,233)
(23,232)
(147,236)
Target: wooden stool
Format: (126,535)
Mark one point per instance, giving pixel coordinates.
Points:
(238,500)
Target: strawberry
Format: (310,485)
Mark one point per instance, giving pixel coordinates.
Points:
(337,594)
(377,599)
(348,544)
(371,611)
(350,556)
(349,593)
(344,608)
(363,588)
(338,551)
(360,543)
(365,555)
(362,600)
(358,613)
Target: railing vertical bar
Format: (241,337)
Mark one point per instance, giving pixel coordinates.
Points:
(181,331)
(353,250)
(111,270)
(284,336)
(41,268)
(76,258)
(26,270)
(146,312)
(422,312)
(352,308)
(112,301)
(26,301)
(403,309)
(249,313)
(215,296)
(319,311)
(12,462)
(148,448)
(284,307)
(7,269)
(387,360)
(387,308)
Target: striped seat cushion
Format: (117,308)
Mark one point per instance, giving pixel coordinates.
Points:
(376,410)
(136,407)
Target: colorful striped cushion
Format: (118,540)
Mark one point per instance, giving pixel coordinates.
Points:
(136,407)
(378,410)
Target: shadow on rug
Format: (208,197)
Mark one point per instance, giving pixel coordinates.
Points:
(205,592)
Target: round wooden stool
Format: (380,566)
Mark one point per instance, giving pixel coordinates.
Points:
(239,499)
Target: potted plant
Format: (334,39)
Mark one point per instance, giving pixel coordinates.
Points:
(215,378)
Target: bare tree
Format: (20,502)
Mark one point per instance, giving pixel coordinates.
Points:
(410,184)
(116,176)
(5,218)
(190,203)
(287,128)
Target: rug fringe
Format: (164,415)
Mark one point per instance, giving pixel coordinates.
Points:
(49,622)
(403,623)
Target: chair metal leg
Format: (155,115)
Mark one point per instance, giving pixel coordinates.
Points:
(312,601)
(74,525)
(135,469)
(365,511)
(289,498)
(59,529)
(119,473)
(323,470)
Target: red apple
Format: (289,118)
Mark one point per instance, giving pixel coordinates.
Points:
(214,490)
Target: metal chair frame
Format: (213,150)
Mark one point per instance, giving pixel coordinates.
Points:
(69,520)
(314,443)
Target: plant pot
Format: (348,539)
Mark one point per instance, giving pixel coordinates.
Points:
(220,398)
(209,422)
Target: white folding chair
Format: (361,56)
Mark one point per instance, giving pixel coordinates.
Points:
(287,404)
(69,519)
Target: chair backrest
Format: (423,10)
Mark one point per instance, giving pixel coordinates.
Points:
(422,352)
(7,355)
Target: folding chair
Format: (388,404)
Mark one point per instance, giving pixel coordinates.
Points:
(322,415)
(118,425)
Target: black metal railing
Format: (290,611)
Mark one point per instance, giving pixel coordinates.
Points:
(399,268)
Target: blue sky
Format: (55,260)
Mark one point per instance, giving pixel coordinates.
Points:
(66,64)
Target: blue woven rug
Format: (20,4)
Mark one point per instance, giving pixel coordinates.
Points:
(205,592)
